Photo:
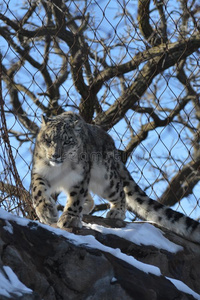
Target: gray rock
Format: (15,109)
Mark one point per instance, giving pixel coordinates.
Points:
(55,268)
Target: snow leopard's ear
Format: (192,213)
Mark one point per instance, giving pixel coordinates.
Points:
(45,119)
(77,125)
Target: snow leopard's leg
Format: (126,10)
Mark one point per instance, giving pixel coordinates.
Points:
(43,203)
(73,211)
(118,202)
(115,194)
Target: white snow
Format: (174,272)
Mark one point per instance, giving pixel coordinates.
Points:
(144,234)
(183,288)
(8,227)
(10,284)
(140,234)
(113,280)
(90,241)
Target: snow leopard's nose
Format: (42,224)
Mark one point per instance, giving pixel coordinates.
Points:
(55,159)
(56,156)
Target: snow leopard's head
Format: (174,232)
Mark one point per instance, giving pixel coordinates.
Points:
(58,137)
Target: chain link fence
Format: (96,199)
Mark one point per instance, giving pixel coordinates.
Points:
(131,67)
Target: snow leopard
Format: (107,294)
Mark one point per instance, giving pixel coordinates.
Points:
(78,158)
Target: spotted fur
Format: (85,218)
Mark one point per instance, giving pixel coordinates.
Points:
(75,157)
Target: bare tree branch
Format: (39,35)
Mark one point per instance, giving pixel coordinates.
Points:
(146,29)
(175,53)
(182,183)
(157,122)
(137,69)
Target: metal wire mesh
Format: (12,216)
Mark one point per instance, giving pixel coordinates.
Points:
(130,66)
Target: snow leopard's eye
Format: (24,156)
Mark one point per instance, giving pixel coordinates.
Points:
(47,139)
(68,141)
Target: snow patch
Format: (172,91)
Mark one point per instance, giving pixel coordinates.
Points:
(10,284)
(91,242)
(183,287)
(137,233)
(113,280)
(8,227)
(87,240)
(140,234)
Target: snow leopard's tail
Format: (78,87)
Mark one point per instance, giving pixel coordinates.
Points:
(151,210)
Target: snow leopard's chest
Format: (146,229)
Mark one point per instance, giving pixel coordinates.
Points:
(66,175)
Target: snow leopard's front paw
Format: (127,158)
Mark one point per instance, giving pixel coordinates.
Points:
(116,214)
(47,212)
(68,221)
